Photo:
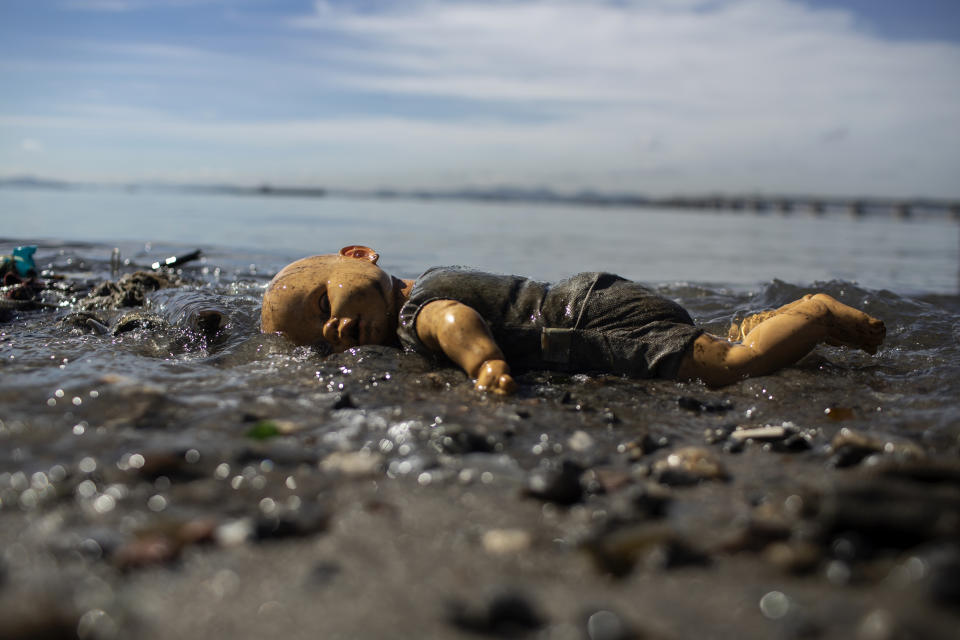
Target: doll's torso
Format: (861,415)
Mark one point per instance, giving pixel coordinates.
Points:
(591,321)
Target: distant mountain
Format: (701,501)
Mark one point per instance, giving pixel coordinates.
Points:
(35,183)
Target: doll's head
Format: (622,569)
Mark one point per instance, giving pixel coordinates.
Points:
(343,300)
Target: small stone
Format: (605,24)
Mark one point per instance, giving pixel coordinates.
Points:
(145,551)
(580,441)
(852,447)
(607,625)
(235,533)
(646,444)
(506,614)
(759,433)
(609,417)
(354,464)
(561,486)
(794,557)
(306,520)
(657,545)
(606,480)
(698,406)
(344,401)
(456,439)
(506,541)
(688,465)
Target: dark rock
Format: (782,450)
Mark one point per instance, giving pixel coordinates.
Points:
(852,447)
(459,440)
(558,485)
(609,417)
(649,500)
(280,452)
(305,521)
(793,443)
(716,435)
(646,444)
(175,463)
(506,614)
(617,548)
(698,406)
(944,569)
(344,401)
(888,513)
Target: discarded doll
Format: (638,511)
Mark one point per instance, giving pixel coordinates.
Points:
(589,322)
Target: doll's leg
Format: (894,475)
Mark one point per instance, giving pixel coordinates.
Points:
(739,330)
(782,339)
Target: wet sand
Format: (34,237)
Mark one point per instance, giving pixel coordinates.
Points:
(225,484)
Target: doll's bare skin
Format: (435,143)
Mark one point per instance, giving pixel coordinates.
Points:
(346,300)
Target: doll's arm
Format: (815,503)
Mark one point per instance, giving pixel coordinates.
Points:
(462,335)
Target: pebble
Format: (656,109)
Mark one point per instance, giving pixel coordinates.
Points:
(852,447)
(603,480)
(354,464)
(604,624)
(343,401)
(657,545)
(699,406)
(795,556)
(557,485)
(506,614)
(636,449)
(506,541)
(891,514)
(580,441)
(688,465)
(456,439)
(307,520)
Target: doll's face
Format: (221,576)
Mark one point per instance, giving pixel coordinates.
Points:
(342,300)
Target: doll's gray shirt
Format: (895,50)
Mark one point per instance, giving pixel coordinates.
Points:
(589,322)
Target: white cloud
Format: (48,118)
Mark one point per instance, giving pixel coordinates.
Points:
(726,87)
(30,145)
(655,95)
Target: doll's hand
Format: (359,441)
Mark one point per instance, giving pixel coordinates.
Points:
(494,376)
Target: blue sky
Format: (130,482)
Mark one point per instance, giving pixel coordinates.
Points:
(651,96)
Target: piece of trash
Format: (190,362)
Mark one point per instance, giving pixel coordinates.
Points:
(20,262)
(263,430)
(176,261)
(115,263)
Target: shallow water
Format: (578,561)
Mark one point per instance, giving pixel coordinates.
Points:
(108,438)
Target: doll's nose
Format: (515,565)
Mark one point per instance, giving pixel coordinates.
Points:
(338,330)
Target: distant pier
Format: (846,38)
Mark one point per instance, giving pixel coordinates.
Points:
(903,209)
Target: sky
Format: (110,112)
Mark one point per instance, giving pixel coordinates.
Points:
(659,97)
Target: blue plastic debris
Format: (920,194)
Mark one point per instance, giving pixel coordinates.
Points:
(23,261)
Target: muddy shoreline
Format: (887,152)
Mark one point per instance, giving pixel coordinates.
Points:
(170,481)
